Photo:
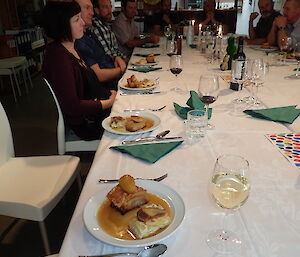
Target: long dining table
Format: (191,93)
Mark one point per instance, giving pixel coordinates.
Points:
(268,223)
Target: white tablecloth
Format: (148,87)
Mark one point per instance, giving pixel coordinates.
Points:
(269,222)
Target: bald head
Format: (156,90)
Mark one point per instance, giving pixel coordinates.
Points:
(291,10)
(265,7)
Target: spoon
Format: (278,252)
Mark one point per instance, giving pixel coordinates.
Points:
(148,251)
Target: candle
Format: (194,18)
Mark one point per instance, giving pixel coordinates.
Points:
(200,28)
(220,31)
(193,22)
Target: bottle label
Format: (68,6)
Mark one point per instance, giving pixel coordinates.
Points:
(238,70)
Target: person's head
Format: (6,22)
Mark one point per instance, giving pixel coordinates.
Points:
(265,7)
(103,9)
(87,11)
(166,5)
(129,8)
(292,10)
(62,21)
(209,6)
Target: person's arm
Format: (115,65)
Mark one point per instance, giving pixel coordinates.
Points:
(106,74)
(272,36)
(119,62)
(278,31)
(109,102)
(252,33)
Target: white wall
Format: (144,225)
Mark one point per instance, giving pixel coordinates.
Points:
(242,24)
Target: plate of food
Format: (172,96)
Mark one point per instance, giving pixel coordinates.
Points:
(138,83)
(131,123)
(265,47)
(134,213)
(290,57)
(149,60)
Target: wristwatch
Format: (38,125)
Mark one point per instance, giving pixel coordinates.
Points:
(281,28)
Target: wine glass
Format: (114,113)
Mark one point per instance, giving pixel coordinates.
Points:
(260,70)
(171,47)
(208,91)
(230,188)
(285,45)
(176,64)
(168,31)
(296,53)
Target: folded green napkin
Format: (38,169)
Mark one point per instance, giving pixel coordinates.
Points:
(296,69)
(193,46)
(145,55)
(194,103)
(146,69)
(149,46)
(282,114)
(148,152)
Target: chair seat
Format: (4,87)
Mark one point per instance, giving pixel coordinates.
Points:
(12,62)
(30,187)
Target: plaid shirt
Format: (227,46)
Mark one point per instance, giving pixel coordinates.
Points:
(106,37)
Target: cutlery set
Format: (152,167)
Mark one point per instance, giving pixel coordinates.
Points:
(141,93)
(145,109)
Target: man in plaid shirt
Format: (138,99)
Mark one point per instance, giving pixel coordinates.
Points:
(102,29)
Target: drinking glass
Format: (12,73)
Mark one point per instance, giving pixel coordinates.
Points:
(168,31)
(171,47)
(208,91)
(285,45)
(260,69)
(297,57)
(176,64)
(229,187)
(196,124)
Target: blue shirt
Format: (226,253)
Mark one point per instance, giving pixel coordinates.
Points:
(93,53)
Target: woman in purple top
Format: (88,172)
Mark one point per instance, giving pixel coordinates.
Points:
(82,98)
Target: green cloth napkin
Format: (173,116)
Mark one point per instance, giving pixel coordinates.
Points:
(282,114)
(145,55)
(148,152)
(296,69)
(194,103)
(149,46)
(146,69)
(193,46)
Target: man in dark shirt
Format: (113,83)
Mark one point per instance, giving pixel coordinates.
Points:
(258,35)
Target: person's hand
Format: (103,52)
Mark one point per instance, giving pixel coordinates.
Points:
(119,62)
(153,39)
(281,21)
(253,16)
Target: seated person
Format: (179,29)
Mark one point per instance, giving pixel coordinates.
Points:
(127,32)
(83,100)
(107,68)
(287,25)
(258,35)
(163,18)
(101,27)
(210,20)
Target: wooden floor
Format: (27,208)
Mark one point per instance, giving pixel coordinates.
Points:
(33,120)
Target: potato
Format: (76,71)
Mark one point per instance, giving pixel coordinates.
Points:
(127,184)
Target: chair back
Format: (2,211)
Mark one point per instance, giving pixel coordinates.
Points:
(60,124)
(6,140)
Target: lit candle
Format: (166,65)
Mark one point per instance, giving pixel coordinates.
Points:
(200,28)
(193,22)
(220,31)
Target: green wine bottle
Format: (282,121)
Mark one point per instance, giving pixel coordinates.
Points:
(231,50)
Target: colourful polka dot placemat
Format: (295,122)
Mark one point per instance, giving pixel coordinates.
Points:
(288,145)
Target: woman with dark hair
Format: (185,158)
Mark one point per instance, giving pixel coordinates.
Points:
(83,99)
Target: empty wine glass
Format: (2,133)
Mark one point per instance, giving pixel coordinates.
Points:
(296,53)
(260,70)
(208,91)
(230,188)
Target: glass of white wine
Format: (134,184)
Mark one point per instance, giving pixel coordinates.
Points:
(229,187)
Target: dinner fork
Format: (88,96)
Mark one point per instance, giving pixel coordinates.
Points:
(145,109)
(103,181)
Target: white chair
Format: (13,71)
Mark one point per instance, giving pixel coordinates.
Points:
(30,187)
(67,140)
(13,67)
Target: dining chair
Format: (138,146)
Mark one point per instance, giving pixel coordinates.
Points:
(66,138)
(30,187)
(14,67)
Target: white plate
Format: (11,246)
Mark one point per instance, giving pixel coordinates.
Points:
(172,197)
(146,65)
(123,82)
(156,120)
(258,48)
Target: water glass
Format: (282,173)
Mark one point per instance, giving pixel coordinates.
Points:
(196,125)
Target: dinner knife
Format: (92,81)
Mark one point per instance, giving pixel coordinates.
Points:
(142,93)
(145,140)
